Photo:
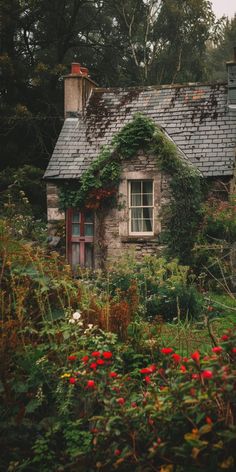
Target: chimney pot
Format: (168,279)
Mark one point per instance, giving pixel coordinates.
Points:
(75,68)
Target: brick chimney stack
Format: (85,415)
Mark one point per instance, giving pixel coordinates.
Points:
(77,88)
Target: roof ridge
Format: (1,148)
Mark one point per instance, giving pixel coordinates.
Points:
(158,87)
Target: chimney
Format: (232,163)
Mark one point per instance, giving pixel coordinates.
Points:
(231,69)
(77,88)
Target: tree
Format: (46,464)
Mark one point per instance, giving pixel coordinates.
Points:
(222,51)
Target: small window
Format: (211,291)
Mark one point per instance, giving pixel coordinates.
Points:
(80,237)
(141,207)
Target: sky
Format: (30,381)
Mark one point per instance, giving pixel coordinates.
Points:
(224,7)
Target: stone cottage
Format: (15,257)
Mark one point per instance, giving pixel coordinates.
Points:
(200,119)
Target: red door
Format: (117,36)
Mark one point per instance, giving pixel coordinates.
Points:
(80,238)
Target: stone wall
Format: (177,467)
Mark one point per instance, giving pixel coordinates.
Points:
(56,220)
(117,241)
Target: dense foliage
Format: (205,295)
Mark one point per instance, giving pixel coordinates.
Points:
(76,396)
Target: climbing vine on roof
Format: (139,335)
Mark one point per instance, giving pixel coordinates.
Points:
(98,186)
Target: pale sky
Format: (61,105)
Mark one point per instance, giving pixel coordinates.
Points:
(224,7)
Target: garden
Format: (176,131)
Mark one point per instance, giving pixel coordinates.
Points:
(128,369)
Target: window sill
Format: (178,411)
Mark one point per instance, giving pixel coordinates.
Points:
(139,239)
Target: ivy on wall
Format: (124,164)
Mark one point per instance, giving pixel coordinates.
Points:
(98,186)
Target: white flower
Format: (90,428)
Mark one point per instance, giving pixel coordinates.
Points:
(90,326)
(76,316)
(71,320)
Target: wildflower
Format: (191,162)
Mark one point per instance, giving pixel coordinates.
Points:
(72,380)
(93,365)
(195,356)
(72,358)
(224,337)
(100,362)
(195,376)
(121,401)
(76,316)
(210,308)
(217,349)
(207,374)
(176,358)
(107,355)
(166,350)
(85,359)
(183,368)
(113,375)
(117,452)
(145,370)
(234,350)
(134,405)
(64,376)
(91,384)
(96,354)
(147,379)
(90,326)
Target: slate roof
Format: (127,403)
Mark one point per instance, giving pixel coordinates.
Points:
(195,116)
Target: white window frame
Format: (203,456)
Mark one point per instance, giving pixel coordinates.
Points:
(140,233)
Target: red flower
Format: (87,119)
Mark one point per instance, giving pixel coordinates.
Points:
(195,356)
(113,375)
(91,384)
(208,420)
(207,374)
(195,376)
(134,405)
(93,365)
(117,452)
(166,350)
(234,350)
(183,368)
(145,370)
(185,359)
(85,359)
(107,355)
(72,380)
(147,379)
(72,358)
(217,349)
(96,354)
(176,358)
(100,362)
(224,337)
(121,401)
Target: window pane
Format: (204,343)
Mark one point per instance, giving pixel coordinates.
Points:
(75,229)
(136,186)
(147,186)
(88,217)
(147,213)
(147,199)
(136,213)
(88,229)
(136,226)
(136,200)
(76,217)
(147,225)
(75,248)
(88,255)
